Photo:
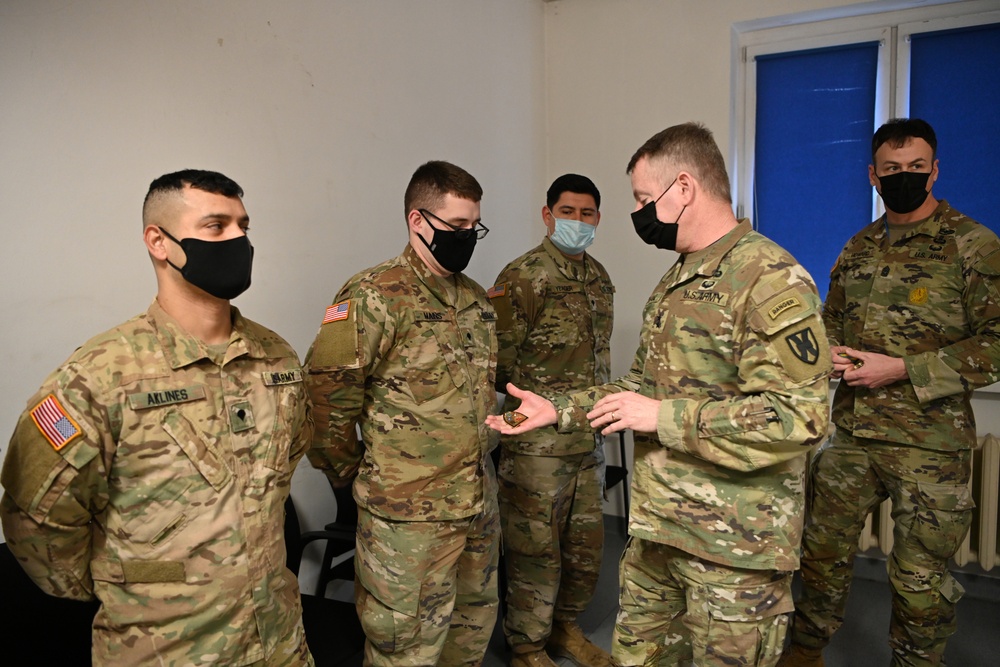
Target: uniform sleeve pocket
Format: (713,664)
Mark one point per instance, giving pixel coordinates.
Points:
(791,327)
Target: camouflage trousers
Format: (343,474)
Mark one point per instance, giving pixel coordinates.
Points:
(553,526)
(677,608)
(291,652)
(932,510)
(426,591)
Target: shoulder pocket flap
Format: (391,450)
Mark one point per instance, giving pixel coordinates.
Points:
(338,343)
(779,311)
(988,261)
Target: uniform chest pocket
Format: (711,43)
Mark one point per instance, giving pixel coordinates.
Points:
(431,362)
(564,320)
(202,452)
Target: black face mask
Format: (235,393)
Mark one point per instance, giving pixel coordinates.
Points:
(221,268)
(663,235)
(904,192)
(452,250)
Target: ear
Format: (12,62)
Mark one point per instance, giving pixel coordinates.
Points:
(549,220)
(597,219)
(934,176)
(155,242)
(686,185)
(871,176)
(414,220)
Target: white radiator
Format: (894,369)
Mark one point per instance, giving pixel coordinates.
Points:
(980,544)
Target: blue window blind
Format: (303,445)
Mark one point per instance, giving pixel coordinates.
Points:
(955,86)
(815,118)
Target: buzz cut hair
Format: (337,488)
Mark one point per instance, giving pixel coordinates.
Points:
(435,179)
(688,147)
(173,183)
(897,131)
(574,183)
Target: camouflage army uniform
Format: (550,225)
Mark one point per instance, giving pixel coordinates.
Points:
(733,346)
(931,298)
(554,330)
(151,472)
(412,358)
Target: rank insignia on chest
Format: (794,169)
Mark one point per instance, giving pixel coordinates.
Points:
(804,345)
(241,417)
(918,296)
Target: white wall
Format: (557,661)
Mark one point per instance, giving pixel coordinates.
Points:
(321,110)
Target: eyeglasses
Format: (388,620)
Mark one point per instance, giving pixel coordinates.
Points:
(462,233)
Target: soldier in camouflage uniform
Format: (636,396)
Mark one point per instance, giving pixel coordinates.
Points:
(913,316)
(408,352)
(554,308)
(151,469)
(727,393)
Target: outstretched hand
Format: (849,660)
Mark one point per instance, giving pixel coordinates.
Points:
(537,410)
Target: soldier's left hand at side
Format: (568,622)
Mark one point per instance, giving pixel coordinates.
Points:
(623,410)
(876,370)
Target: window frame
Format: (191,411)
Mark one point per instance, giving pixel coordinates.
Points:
(891,23)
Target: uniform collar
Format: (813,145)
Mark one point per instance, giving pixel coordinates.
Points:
(181,348)
(931,225)
(436,285)
(571,269)
(706,261)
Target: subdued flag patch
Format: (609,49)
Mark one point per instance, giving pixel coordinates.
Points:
(337,311)
(52,420)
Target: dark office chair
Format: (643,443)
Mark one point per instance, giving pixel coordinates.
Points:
(332,627)
(340,539)
(618,474)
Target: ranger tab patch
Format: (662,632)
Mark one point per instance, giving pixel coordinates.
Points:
(804,345)
(57,426)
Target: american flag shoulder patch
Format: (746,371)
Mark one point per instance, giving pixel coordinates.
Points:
(337,311)
(57,426)
(497,290)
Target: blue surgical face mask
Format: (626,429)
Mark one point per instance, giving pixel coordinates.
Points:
(572,236)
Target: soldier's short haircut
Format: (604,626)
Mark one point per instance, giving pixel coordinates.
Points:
(575,183)
(435,179)
(897,131)
(689,147)
(209,181)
